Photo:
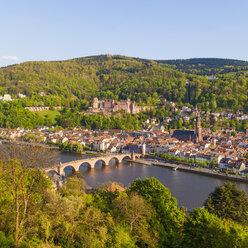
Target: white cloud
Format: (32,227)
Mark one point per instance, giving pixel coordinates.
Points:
(11,58)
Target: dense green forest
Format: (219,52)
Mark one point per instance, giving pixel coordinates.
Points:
(115,77)
(144,215)
(206,66)
(228,91)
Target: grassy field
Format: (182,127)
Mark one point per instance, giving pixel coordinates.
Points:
(51,114)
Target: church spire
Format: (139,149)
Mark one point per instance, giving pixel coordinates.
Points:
(198,129)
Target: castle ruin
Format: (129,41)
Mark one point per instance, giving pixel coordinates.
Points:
(110,105)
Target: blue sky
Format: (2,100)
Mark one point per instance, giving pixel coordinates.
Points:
(153,29)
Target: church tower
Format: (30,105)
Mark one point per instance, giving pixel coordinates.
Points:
(198,129)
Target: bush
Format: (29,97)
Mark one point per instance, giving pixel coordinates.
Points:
(6,242)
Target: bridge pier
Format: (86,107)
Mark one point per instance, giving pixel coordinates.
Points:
(133,156)
(59,170)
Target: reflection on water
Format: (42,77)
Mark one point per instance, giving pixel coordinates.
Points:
(68,157)
(191,190)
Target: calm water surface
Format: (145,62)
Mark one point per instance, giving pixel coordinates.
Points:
(191,190)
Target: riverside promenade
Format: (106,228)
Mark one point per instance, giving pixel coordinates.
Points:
(192,169)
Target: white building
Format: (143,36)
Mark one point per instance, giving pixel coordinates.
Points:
(167,119)
(6,98)
(186,118)
(21,95)
(186,109)
(42,93)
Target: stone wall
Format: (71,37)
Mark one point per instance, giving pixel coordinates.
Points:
(34,109)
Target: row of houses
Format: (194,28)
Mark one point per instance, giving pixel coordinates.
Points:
(227,151)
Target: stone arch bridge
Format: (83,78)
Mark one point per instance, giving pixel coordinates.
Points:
(91,162)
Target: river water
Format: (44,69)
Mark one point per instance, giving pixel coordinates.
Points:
(190,190)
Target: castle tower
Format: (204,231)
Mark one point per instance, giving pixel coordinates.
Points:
(133,108)
(95,102)
(128,108)
(198,129)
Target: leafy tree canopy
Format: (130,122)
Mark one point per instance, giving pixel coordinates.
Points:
(229,202)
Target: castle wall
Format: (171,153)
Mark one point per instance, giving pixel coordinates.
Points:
(108,103)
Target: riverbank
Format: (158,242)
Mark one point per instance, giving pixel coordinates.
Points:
(201,171)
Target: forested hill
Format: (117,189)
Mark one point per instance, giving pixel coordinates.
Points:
(207,66)
(120,77)
(105,76)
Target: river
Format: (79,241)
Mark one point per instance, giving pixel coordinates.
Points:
(190,190)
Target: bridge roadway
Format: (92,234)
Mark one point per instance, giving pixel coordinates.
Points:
(91,162)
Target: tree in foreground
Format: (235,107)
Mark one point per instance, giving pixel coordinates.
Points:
(135,213)
(203,229)
(22,190)
(167,219)
(228,202)
(29,156)
(22,186)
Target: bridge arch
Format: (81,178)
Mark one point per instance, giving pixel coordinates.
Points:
(67,170)
(100,162)
(84,166)
(113,161)
(125,158)
(52,172)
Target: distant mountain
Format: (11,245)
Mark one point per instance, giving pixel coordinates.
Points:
(206,66)
(104,76)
